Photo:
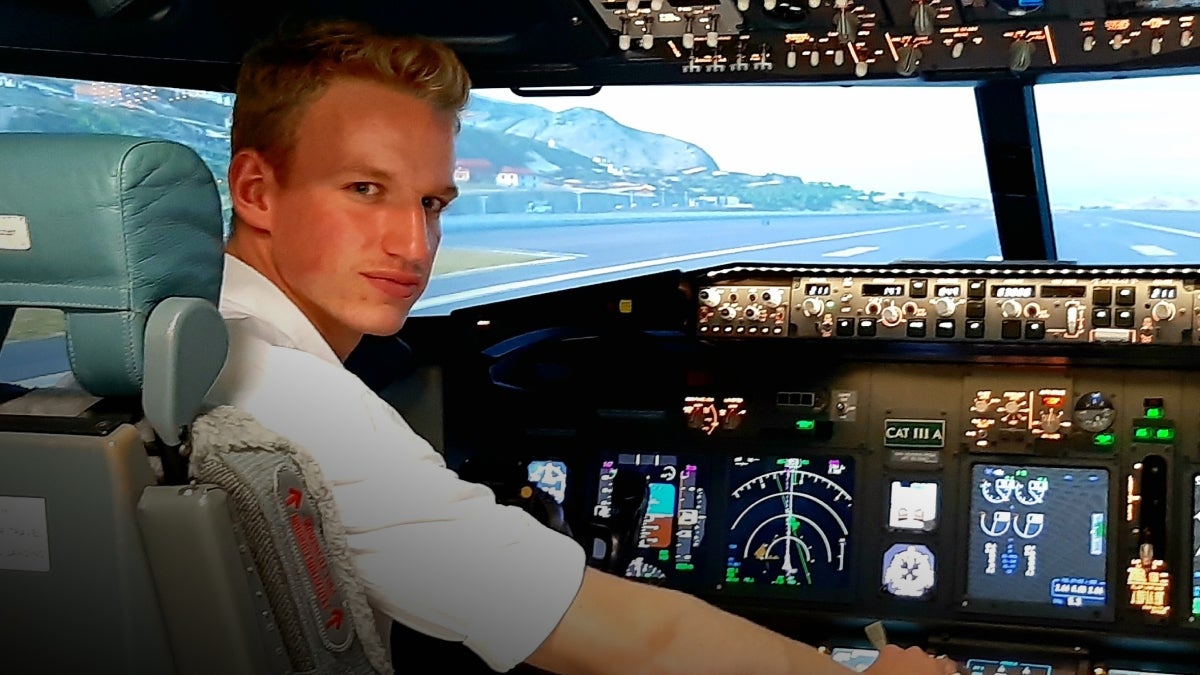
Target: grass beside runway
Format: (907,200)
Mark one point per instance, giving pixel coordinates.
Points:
(36,323)
(454,260)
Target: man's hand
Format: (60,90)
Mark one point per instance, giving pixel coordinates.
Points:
(912,661)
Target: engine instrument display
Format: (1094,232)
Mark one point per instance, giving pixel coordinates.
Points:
(676,514)
(1038,538)
(789,524)
(913,506)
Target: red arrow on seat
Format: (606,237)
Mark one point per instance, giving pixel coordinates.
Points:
(335,620)
(294,498)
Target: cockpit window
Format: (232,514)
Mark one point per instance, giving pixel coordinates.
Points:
(564,191)
(1120,160)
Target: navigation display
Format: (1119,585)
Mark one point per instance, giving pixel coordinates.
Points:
(1196,546)
(1038,537)
(676,515)
(913,506)
(789,523)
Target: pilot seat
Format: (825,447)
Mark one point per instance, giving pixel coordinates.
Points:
(141,532)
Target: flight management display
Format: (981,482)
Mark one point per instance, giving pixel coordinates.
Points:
(789,525)
(1038,538)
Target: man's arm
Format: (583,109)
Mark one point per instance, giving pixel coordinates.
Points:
(620,626)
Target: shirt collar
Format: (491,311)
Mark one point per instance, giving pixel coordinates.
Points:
(248,295)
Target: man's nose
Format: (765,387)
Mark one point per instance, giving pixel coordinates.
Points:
(407,235)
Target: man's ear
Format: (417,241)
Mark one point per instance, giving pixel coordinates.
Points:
(251,179)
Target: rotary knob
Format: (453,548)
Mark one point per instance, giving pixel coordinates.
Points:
(755,313)
(872,308)
(1010,309)
(910,308)
(711,297)
(1163,311)
(728,312)
(812,306)
(944,307)
(891,316)
(1033,310)
(771,297)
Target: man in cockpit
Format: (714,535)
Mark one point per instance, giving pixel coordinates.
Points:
(342,163)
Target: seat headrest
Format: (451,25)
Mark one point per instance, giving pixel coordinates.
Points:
(105,228)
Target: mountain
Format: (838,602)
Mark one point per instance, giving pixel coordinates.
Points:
(506,150)
(590,133)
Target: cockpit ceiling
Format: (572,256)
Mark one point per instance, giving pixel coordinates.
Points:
(198,43)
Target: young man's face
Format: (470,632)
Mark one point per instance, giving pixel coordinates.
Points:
(355,220)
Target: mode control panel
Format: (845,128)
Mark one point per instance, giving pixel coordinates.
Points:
(989,305)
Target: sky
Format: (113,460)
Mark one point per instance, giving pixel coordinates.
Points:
(1102,141)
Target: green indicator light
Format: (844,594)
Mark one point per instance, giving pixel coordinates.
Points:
(1141,433)
(806,425)
(1021,473)
(1154,413)
(1164,434)
(664,554)
(685,567)
(1106,439)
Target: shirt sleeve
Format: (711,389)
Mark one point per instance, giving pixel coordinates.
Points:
(435,553)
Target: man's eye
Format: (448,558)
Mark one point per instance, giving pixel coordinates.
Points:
(366,189)
(433,204)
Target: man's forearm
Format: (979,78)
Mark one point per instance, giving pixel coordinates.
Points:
(709,640)
(619,627)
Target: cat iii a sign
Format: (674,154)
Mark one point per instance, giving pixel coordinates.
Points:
(914,433)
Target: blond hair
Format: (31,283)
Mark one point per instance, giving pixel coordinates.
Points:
(282,75)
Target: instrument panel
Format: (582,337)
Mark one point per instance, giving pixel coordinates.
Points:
(1025,504)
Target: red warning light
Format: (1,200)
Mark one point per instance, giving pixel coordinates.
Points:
(1052,401)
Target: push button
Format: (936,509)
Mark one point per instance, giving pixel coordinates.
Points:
(916,328)
(1010,329)
(944,328)
(1035,330)
(1101,317)
(1126,296)
(845,327)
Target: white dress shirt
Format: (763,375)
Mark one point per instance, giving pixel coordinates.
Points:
(435,553)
